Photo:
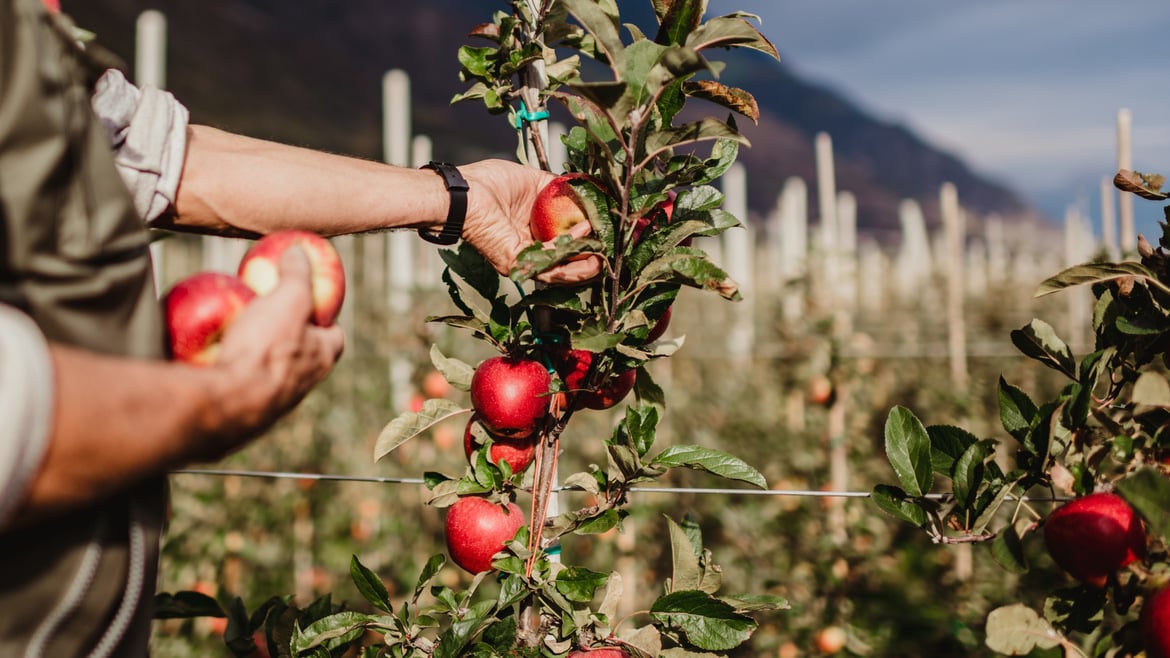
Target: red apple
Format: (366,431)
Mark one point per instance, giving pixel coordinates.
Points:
(1093,536)
(435,385)
(574,365)
(1155,623)
(605,652)
(478,529)
(830,639)
(198,309)
(260,269)
(518,453)
(510,396)
(557,208)
(659,327)
(820,390)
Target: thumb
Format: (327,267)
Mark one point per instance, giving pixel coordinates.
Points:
(296,278)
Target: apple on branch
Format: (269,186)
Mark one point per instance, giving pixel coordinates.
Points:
(574,366)
(510,396)
(518,453)
(477,529)
(197,311)
(1093,536)
(260,269)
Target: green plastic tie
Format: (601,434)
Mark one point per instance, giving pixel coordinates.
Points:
(524,115)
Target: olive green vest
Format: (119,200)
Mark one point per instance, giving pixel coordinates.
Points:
(74,255)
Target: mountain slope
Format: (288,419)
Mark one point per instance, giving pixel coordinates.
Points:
(309,73)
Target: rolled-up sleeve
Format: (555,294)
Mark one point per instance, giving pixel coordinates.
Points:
(26,406)
(148,129)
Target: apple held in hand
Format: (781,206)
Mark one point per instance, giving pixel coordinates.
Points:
(510,396)
(260,269)
(198,309)
(1093,536)
(518,453)
(557,208)
(477,529)
(1155,624)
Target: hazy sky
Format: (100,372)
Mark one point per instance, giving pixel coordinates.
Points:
(1026,91)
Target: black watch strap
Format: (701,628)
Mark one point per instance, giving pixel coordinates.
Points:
(457,212)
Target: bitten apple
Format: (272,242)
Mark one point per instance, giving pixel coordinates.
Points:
(510,396)
(197,311)
(1093,536)
(260,269)
(518,453)
(477,529)
(557,208)
(1155,624)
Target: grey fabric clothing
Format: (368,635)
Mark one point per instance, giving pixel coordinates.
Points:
(74,258)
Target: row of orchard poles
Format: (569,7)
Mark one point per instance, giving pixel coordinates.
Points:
(841,270)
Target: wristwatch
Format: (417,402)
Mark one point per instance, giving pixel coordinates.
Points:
(457,212)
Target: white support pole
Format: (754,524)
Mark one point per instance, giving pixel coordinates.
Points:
(738,251)
(400,245)
(955,233)
(827,200)
(558,157)
(150,66)
(1128,236)
(914,262)
(997,251)
(429,268)
(793,243)
(847,250)
(1109,219)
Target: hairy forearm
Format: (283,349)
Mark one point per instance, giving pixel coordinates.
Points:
(107,437)
(233,183)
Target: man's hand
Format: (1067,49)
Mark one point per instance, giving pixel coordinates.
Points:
(499,213)
(274,351)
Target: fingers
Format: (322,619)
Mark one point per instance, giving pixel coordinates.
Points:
(295,289)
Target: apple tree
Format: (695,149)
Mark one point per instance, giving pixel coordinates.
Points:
(641,176)
(1080,480)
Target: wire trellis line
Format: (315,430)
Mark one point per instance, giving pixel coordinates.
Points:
(374,479)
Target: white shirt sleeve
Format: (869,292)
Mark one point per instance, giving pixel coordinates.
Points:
(148,129)
(26,406)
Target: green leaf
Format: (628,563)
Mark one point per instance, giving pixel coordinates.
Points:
(1149,493)
(690,267)
(947,444)
(1039,341)
(337,630)
(730,31)
(1017,630)
(641,421)
(713,461)
(430,570)
(186,605)
(908,450)
(470,266)
(757,602)
(477,61)
(968,474)
(680,19)
(705,621)
(1078,609)
(896,503)
(599,523)
(370,585)
(410,424)
(1017,412)
(603,27)
(1098,273)
(686,573)
(457,373)
(691,133)
(1007,549)
(580,584)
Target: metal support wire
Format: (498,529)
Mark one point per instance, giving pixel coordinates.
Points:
(808,493)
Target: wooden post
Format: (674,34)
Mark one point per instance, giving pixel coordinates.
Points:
(913,266)
(1128,235)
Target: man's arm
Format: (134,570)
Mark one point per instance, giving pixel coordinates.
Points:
(155,415)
